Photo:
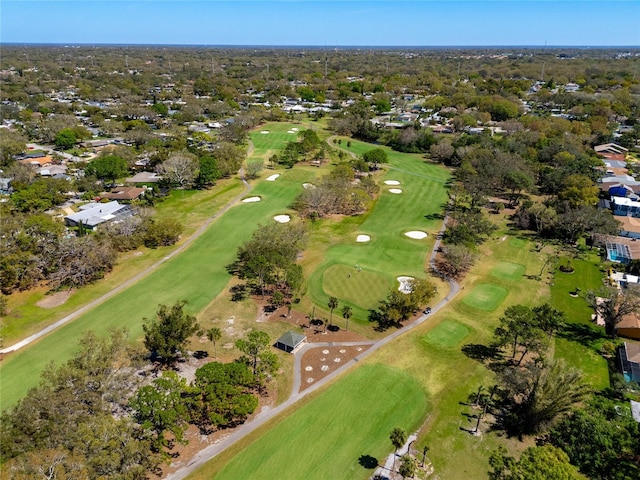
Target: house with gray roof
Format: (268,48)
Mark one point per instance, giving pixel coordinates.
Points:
(93,214)
(290,341)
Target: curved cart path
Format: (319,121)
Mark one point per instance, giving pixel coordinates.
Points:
(209,452)
(137,277)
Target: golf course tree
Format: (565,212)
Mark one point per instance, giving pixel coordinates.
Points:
(268,260)
(537,395)
(399,306)
(332,304)
(258,356)
(375,157)
(408,466)
(456,260)
(66,426)
(520,329)
(160,408)
(214,334)
(535,463)
(221,395)
(347,313)
(166,336)
(613,305)
(180,169)
(398,437)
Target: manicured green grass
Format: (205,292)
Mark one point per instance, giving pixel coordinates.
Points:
(314,441)
(486,297)
(196,275)
(512,272)
(581,340)
(447,334)
(517,242)
(390,253)
(363,287)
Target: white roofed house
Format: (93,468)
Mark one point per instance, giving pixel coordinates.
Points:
(93,214)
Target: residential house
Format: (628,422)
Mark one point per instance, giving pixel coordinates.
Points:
(611,151)
(630,361)
(629,327)
(5,186)
(93,214)
(144,177)
(619,249)
(38,162)
(124,194)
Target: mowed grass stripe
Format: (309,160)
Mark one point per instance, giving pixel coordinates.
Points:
(197,275)
(364,288)
(326,437)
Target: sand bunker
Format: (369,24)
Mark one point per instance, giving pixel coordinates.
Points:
(417,234)
(308,185)
(405,287)
(264,132)
(392,182)
(251,199)
(363,238)
(282,218)
(290,131)
(273,177)
(294,129)
(395,190)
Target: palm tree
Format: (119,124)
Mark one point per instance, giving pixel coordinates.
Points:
(397,436)
(214,334)
(333,304)
(346,314)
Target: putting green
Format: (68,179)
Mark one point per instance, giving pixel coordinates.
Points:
(486,297)
(448,334)
(512,272)
(364,288)
(312,443)
(517,242)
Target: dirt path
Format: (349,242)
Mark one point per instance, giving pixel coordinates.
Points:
(134,279)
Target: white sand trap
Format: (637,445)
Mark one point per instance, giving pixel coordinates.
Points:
(395,190)
(251,199)
(290,131)
(282,218)
(417,234)
(308,185)
(273,177)
(264,132)
(391,182)
(294,129)
(404,284)
(363,238)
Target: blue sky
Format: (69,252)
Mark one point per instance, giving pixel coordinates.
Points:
(331,23)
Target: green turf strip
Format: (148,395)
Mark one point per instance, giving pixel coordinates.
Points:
(485,297)
(325,438)
(448,334)
(512,272)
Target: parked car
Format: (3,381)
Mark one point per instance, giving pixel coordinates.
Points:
(427,310)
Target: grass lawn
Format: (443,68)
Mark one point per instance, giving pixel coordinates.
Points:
(581,339)
(486,297)
(447,334)
(512,272)
(390,253)
(364,288)
(312,442)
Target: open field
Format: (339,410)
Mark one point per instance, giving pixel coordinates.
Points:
(447,334)
(313,443)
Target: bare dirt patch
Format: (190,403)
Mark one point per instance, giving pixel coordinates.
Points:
(55,299)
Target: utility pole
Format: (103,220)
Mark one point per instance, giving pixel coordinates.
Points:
(126,60)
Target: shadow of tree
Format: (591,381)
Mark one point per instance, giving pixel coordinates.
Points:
(587,335)
(367,461)
(333,328)
(481,353)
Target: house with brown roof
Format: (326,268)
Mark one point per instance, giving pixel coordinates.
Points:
(611,151)
(38,162)
(629,327)
(124,194)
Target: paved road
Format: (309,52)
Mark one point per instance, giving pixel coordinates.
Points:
(136,278)
(209,452)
